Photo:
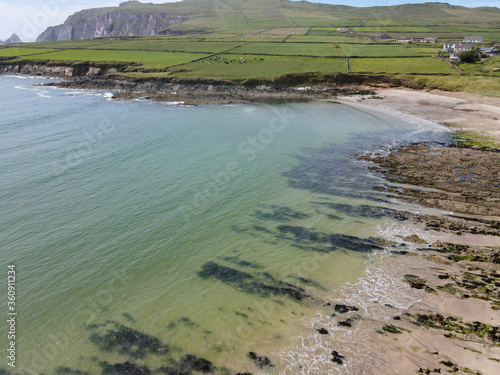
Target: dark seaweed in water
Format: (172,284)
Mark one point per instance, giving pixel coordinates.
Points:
(113,336)
(126,368)
(342,309)
(260,361)
(67,371)
(240,262)
(333,170)
(262,284)
(330,242)
(309,282)
(280,214)
(365,210)
(187,365)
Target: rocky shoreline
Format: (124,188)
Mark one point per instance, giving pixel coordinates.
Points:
(197,90)
(454,327)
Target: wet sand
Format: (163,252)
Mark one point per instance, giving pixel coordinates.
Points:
(464,111)
(431,303)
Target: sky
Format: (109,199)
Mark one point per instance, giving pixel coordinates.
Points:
(29,18)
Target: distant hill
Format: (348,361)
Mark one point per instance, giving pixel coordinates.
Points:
(204,16)
(13,39)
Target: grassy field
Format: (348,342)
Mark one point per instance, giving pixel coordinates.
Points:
(258,66)
(489,86)
(296,49)
(11,52)
(376,50)
(152,60)
(401,65)
(268,38)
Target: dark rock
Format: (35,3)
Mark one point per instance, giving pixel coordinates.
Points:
(190,363)
(322,331)
(260,361)
(342,309)
(346,323)
(113,336)
(337,358)
(126,368)
(68,371)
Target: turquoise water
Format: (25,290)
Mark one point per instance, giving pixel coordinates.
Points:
(112,210)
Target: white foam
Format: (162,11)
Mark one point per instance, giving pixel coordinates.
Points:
(380,286)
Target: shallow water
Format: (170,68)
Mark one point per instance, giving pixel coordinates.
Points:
(111,210)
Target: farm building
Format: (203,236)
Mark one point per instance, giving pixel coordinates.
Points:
(344,30)
(474,39)
(429,39)
(454,57)
(461,47)
(405,39)
(382,36)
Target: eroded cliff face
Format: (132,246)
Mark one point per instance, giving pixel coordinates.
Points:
(88,25)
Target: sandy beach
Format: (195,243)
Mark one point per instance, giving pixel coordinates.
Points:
(463,111)
(433,304)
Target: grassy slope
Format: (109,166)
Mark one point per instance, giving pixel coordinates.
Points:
(280,32)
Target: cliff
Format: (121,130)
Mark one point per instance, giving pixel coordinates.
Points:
(13,39)
(90,24)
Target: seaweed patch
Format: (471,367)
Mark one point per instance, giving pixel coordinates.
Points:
(263,284)
(113,336)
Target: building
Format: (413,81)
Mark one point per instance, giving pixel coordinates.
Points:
(449,47)
(382,36)
(474,39)
(405,39)
(461,47)
(454,57)
(344,30)
(429,39)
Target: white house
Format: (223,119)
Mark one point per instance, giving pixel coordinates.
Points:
(454,57)
(474,39)
(405,39)
(429,39)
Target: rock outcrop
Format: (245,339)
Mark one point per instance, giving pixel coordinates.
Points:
(90,24)
(13,39)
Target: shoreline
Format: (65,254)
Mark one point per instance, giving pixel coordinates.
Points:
(433,264)
(431,305)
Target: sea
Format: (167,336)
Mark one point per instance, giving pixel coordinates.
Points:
(163,237)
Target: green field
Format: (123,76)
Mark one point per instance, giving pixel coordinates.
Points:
(265,39)
(296,49)
(11,52)
(376,50)
(401,65)
(175,46)
(258,66)
(153,60)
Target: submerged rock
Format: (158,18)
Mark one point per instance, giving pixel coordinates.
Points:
(113,336)
(329,242)
(281,214)
(193,363)
(263,284)
(66,371)
(260,361)
(342,309)
(126,368)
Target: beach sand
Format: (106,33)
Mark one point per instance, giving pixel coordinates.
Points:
(432,303)
(464,111)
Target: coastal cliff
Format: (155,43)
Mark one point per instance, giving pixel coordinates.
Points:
(90,24)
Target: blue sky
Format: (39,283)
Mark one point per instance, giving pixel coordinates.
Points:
(28,18)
